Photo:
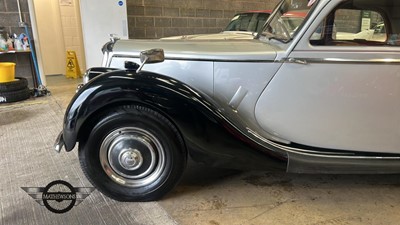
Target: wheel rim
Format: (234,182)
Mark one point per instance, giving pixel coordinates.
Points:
(132,157)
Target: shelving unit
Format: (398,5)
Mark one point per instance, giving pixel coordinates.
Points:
(24,65)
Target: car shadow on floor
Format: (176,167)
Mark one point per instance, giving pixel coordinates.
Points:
(197,177)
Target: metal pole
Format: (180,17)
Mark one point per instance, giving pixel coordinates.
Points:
(41,89)
(20,14)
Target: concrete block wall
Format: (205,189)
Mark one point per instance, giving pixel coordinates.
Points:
(163,18)
(350,20)
(9,19)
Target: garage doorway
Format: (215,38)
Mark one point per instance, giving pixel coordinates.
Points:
(56,27)
(50,39)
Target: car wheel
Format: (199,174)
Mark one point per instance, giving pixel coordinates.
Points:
(133,153)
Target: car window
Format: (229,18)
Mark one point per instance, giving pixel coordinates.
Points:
(250,22)
(292,23)
(358,23)
(286,20)
(260,21)
(239,22)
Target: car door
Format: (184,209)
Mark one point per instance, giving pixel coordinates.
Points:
(337,91)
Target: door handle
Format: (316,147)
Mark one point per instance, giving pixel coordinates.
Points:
(298,61)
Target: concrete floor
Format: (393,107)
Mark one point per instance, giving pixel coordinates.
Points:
(207,195)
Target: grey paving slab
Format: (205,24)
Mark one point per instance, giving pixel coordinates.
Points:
(224,197)
(27,132)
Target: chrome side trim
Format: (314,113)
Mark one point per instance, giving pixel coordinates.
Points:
(312,153)
(200,59)
(303,61)
(310,161)
(342,61)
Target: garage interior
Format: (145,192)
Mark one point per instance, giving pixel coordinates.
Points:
(205,195)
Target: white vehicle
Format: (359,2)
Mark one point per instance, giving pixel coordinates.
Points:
(242,26)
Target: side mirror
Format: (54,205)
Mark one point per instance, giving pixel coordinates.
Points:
(155,55)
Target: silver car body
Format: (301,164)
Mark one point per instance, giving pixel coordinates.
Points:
(331,97)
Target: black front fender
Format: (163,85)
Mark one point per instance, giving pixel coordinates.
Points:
(210,138)
(108,89)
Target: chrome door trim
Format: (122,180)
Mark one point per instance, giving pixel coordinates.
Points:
(341,60)
(257,138)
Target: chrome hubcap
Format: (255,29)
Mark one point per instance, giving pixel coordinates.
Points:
(130,159)
(132,156)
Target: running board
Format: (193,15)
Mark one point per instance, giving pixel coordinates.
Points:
(314,163)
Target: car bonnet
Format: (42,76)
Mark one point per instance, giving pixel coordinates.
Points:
(220,50)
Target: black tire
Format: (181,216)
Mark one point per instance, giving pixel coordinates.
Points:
(15,96)
(133,154)
(19,84)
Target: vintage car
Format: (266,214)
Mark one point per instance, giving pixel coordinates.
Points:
(298,101)
(242,26)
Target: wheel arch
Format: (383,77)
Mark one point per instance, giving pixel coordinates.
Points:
(100,95)
(91,120)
